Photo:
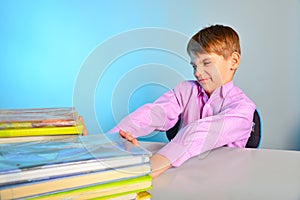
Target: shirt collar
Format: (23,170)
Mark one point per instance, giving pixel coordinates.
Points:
(201,90)
(226,88)
(223,90)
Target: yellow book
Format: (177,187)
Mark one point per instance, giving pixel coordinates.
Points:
(39,121)
(104,191)
(144,195)
(23,132)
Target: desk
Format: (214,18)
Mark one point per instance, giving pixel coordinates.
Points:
(231,173)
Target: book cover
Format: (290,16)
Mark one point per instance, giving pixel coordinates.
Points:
(39,173)
(38,117)
(42,131)
(144,195)
(21,156)
(62,138)
(137,195)
(72,182)
(130,196)
(104,191)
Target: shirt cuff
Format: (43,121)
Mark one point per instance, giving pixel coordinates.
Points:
(115,129)
(175,153)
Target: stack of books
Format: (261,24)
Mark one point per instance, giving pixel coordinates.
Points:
(100,166)
(20,125)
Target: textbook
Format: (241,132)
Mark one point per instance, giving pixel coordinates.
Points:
(131,196)
(103,191)
(44,155)
(68,169)
(18,132)
(38,117)
(62,138)
(71,182)
(39,121)
(144,195)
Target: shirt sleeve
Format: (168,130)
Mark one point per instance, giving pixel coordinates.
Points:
(231,126)
(160,115)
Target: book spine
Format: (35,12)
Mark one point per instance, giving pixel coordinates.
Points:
(102,190)
(18,132)
(105,179)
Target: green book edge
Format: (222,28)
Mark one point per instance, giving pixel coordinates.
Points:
(42,131)
(123,193)
(101,186)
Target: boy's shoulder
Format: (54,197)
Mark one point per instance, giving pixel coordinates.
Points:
(187,88)
(188,84)
(236,91)
(236,94)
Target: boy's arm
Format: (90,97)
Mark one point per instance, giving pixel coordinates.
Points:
(159,164)
(229,127)
(160,115)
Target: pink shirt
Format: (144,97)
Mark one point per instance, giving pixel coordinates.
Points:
(207,123)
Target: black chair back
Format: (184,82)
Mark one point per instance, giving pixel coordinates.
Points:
(253,141)
(255,137)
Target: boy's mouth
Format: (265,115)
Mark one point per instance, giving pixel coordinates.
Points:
(202,79)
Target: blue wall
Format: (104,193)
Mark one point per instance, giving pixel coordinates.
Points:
(106,58)
(45,44)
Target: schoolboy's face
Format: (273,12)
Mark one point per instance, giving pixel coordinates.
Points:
(212,70)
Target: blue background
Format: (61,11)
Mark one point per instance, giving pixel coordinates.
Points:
(44,44)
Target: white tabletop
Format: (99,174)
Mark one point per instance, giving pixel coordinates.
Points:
(231,173)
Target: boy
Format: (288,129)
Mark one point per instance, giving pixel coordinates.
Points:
(213,111)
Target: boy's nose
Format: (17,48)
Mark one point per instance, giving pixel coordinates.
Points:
(197,73)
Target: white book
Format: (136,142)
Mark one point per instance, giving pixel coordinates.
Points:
(30,161)
(67,169)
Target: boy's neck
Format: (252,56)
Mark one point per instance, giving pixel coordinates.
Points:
(222,87)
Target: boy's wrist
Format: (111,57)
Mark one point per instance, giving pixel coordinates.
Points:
(159,164)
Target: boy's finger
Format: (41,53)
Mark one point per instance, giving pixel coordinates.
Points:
(135,142)
(128,137)
(123,133)
(85,131)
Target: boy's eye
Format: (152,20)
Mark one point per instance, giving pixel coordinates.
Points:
(206,63)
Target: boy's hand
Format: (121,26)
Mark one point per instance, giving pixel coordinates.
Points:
(85,131)
(128,137)
(159,164)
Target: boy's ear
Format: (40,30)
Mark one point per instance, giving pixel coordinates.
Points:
(235,60)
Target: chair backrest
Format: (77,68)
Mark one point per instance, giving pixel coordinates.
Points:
(253,141)
(171,133)
(255,136)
